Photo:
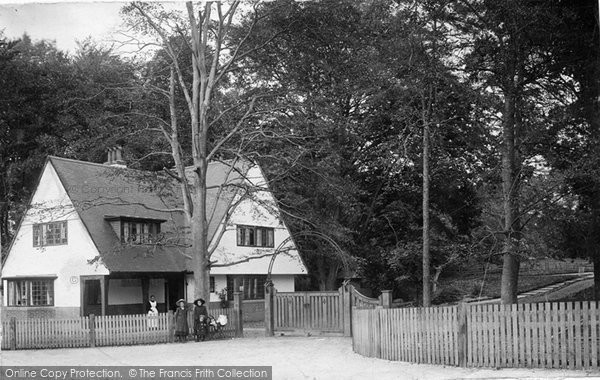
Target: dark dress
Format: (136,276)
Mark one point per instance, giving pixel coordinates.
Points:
(200,322)
(181,323)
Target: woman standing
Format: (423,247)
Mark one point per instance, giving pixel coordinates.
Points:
(200,319)
(153,313)
(181,323)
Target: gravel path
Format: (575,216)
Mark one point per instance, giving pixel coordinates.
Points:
(291,358)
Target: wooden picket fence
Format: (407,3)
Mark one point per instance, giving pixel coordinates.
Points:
(45,333)
(544,335)
(417,335)
(110,330)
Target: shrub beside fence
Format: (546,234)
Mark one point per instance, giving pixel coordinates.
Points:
(544,335)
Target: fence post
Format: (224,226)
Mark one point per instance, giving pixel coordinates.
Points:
(237,310)
(170,327)
(13,333)
(346,290)
(92,325)
(385,299)
(462,311)
(269,321)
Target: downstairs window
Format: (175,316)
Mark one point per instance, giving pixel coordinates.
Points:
(31,292)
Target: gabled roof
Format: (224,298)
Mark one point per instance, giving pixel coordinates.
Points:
(100,192)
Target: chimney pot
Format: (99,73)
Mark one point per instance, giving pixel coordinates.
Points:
(115,157)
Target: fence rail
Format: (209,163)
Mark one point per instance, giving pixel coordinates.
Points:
(361,301)
(544,335)
(110,330)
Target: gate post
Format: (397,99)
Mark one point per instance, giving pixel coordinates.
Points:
(347,309)
(269,321)
(237,310)
(385,299)
(170,327)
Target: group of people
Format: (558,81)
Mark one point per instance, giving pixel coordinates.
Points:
(200,320)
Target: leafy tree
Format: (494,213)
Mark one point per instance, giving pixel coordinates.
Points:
(205,34)
(575,133)
(355,106)
(55,104)
(509,58)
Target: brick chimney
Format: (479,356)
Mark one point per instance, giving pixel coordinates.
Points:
(115,157)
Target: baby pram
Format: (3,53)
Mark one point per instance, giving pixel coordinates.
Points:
(216,326)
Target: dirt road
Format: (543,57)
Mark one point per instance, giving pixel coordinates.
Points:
(291,358)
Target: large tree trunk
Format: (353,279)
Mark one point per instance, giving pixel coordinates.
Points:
(199,228)
(426,245)
(510,268)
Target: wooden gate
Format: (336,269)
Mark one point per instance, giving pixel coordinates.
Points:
(309,312)
(323,312)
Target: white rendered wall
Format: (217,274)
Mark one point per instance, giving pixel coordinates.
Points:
(283,283)
(263,213)
(50,203)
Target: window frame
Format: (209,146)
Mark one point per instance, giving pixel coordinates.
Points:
(253,286)
(19,289)
(40,232)
(255,236)
(129,228)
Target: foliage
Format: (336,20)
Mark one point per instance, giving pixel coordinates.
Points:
(340,93)
(55,104)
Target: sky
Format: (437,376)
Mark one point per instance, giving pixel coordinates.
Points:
(64,23)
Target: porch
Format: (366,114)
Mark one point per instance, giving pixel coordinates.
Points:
(129,293)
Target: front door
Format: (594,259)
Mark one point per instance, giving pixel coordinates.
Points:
(92,297)
(173,291)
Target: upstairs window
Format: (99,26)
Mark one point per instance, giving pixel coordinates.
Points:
(253,236)
(139,232)
(54,233)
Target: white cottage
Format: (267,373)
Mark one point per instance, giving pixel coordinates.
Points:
(101,238)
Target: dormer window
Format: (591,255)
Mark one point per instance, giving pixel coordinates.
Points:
(45,234)
(132,230)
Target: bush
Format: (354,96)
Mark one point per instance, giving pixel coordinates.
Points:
(449,294)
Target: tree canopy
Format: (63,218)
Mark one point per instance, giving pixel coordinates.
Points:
(349,107)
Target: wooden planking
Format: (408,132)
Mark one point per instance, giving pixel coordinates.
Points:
(546,335)
(109,330)
(594,336)
(418,335)
(309,311)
